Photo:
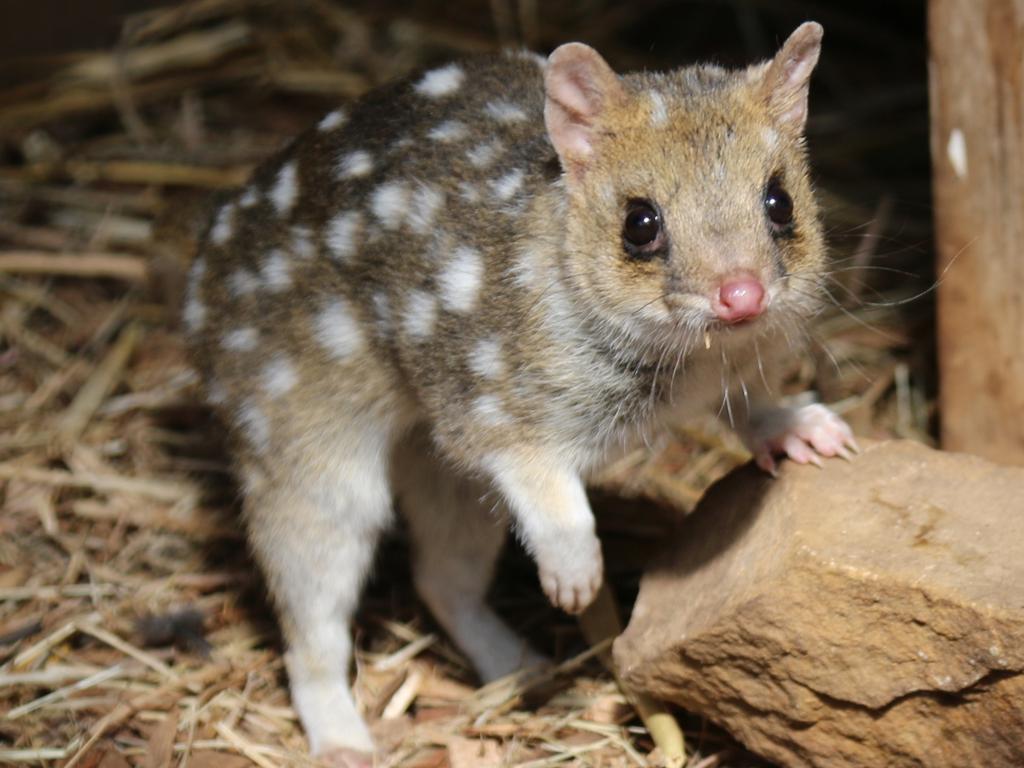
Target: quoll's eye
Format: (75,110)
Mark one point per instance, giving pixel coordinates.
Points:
(642,224)
(778,204)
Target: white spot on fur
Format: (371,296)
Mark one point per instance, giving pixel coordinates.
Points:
(488,411)
(508,185)
(534,58)
(302,242)
(194,312)
(483,155)
(255,426)
(469,192)
(196,273)
(250,198)
(252,480)
(460,280)
(382,311)
(449,130)
(441,81)
(956,151)
(559,316)
(278,376)
(241,283)
(276,272)
(224,226)
(216,394)
(332,120)
(341,234)
(420,314)
(659,109)
(770,137)
(240,340)
(504,112)
(338,330)
(486,360)
(527,269)
(355,164)
(426,201)
(286,188)
(389,203)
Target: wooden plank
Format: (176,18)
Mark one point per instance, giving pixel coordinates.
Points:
(977,139)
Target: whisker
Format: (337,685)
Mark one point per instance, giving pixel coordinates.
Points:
(760,367)
(743,389)
(871,267)
(727,402)
(931,288)
(860,321)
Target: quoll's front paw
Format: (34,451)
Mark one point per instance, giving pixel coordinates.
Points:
(803,434)
(571,574)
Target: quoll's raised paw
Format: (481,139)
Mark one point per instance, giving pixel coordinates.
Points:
(803,434)
(571,575)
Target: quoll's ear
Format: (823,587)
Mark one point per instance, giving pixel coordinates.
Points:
(580,87)
(788,76)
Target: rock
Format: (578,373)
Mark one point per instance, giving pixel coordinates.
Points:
(867,614)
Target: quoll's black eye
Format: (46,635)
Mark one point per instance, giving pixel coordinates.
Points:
(642,225)
(778,204)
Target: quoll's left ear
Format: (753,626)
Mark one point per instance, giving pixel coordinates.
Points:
(579,89)
(787,78)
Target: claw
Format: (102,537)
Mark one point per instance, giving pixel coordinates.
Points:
(766,461)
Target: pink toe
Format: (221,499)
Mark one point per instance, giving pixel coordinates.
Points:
(796,449)
(825,441)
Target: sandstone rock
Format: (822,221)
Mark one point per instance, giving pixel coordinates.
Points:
(867,614)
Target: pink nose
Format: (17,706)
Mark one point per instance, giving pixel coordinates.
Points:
(739,298)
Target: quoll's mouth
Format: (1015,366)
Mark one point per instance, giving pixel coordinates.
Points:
(741,328)
(739,299)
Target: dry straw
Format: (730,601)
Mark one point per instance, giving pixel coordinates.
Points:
(117,504)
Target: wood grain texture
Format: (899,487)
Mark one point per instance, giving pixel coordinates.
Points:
(977,137)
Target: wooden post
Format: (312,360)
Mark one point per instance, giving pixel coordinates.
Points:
(976,67)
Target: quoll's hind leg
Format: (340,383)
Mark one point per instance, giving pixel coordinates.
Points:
(315,540)
(457,535)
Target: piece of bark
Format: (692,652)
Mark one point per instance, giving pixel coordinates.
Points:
(976,67)
(870,613)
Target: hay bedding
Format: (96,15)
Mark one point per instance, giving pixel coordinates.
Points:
(133,627)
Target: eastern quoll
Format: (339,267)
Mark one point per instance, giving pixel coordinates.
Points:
(468,288)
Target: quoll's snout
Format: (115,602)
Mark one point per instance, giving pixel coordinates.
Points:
(739,298)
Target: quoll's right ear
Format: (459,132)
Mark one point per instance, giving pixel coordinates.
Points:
(580,88)
(787,79)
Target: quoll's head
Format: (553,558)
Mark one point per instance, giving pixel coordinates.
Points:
(690,208)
